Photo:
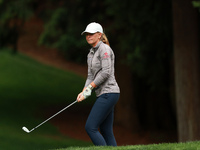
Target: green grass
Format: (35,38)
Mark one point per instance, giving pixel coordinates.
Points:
(164,146)
(25,87)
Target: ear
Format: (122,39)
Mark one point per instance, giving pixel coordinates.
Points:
(100,34)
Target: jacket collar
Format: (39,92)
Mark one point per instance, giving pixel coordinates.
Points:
(94,49)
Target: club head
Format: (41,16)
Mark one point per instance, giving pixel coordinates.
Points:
(25,129)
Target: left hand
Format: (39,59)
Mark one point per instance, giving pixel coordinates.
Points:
(88,91)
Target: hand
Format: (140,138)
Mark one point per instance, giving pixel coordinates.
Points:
(87,92)
(80,97)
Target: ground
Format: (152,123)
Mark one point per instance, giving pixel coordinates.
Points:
(71,122)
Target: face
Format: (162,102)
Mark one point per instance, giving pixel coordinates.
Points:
(93,39)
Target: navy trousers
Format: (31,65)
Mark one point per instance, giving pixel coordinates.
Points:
(101,117)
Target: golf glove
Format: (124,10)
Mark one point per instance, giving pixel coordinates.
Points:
(87,92)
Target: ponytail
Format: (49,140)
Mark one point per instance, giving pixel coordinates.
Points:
(104,39)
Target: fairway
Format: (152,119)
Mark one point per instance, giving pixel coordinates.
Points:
(25,87)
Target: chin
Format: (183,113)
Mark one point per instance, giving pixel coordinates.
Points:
(90,43)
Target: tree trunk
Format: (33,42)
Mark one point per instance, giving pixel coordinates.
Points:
(186,64)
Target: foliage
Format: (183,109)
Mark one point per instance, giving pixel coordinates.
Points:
(143,33)
(13,13)
(12,9)
(140,33)
(196,3)
(64,27)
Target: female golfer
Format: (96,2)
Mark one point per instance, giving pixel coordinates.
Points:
(101,78)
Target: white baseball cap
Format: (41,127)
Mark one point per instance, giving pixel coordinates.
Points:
(93,28)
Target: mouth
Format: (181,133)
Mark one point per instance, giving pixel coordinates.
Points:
(89,40)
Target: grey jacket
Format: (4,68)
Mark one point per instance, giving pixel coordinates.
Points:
(101,69)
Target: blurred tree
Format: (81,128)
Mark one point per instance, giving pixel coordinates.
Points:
(196,4)
(13,13)
(140,33)
(66,20)
(187,72)
(143,35)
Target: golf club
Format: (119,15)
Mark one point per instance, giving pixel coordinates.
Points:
(28,131)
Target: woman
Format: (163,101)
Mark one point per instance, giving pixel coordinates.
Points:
(100,78)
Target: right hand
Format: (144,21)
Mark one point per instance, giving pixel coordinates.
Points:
(80,97)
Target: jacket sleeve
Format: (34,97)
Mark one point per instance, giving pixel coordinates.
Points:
(89,78)
(105,56)
(89,75)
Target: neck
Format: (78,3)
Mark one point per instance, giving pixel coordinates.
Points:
(95,44)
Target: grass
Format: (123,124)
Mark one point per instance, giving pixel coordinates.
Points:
(164,146)
(25,87)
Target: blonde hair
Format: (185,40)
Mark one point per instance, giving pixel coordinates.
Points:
(104,39)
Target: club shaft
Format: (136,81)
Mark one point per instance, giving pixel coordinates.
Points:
(54,115)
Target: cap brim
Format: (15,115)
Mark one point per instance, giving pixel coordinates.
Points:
(92,32)
(82,32)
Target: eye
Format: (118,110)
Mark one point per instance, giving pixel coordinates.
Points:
(89,34)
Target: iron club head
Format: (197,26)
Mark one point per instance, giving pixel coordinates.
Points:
(25,129)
